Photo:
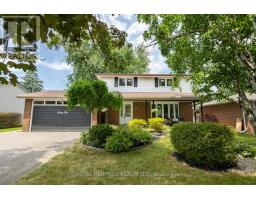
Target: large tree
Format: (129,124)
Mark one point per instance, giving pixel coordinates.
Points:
(31,82)
(56,30)
(87,60)
(219,51)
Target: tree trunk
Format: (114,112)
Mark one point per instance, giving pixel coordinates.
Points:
(248,108)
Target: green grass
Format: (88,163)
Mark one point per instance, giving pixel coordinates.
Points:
(246,139)
(153,164)
(4,130)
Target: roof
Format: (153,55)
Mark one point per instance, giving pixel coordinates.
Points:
(102,75)
(126,95)
(251,97)
(44,94)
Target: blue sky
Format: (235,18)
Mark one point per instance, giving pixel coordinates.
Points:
(53,69)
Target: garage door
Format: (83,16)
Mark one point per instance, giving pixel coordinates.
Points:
(60,118)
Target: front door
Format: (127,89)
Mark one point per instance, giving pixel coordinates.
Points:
(126,112)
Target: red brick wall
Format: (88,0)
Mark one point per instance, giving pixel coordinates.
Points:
(27,115)
(139,110)
(186,111)
(225,113)
(113,117)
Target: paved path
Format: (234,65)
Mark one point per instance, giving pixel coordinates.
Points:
(20,152)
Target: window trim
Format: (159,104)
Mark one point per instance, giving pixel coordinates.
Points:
(162,108)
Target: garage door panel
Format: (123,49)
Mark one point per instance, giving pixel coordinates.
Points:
(60,118)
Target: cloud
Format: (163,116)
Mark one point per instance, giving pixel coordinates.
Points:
(55,65)
(114,20)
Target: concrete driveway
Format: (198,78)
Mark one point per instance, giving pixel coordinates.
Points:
(20,152)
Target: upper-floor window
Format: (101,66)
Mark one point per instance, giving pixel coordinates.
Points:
(165,82)
(125,81)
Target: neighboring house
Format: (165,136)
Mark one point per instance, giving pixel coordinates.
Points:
(8,100)
(229,113)
(142,94)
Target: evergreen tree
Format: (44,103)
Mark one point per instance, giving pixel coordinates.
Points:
(31,82)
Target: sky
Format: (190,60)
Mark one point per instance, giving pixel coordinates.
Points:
(53,69)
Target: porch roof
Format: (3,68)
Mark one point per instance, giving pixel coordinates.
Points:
(159,96)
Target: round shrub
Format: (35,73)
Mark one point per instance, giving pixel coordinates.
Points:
(157,124)
(137,123)
(140,137)
(208,145)
(120,141)
(97,135)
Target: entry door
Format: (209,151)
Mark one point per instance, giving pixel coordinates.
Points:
(126,112)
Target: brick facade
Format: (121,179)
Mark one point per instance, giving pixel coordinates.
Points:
(139,110)
(225,113)
(186,111)
(113,117)
(27,115)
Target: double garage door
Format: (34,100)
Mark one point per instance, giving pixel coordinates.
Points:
(59,118)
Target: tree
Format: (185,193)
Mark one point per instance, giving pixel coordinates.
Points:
(219,51)
(31,82)
(57,30)
(92,95)
(86,61)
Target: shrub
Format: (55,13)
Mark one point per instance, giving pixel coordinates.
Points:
(208,145)
(137,123)
(97,135)
(156,123)
(140,137)
(120,141)
(9,120)
(245,150)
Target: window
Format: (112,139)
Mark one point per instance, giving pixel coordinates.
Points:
(38,102)
(159,110)
(171,111)
(166,115)
(161,82)
(169,82)
(64,102)
(129,82)
(50,102)
(122,82)
(128,110)
(176,111)
(167,110)
(59,102)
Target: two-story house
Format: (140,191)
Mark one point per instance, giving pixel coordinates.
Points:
(145,96)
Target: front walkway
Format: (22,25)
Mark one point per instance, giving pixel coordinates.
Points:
(20,152)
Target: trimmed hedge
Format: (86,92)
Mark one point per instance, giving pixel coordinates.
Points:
(157,124)
(208,145)
(97,135)
(9,120)
(137,123)
(125,138)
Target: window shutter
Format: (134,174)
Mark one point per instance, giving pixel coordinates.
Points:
(135,81)
(116,81)
(156,82)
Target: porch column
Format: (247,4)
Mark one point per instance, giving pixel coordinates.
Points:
(194,109)
(201,108)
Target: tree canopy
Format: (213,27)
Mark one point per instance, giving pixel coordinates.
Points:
(56,30)
(86,61)
(91,95)
(31,82)
(219,52)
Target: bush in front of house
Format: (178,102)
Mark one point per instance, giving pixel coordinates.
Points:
(208,145)
(120,141)
(140,137)
(245,150)
(97,135)
(126,138)
(9,120)
(137,123)
(157,124)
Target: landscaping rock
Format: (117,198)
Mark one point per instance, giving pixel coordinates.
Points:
(247,165)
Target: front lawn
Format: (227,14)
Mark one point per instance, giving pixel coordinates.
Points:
(152,164)
(4,130)
(247,139)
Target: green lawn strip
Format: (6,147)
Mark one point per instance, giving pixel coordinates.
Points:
(246,139)
(153,164)
(4,130)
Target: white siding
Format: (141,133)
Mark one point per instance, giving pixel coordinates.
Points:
(8,99)
(147,84)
